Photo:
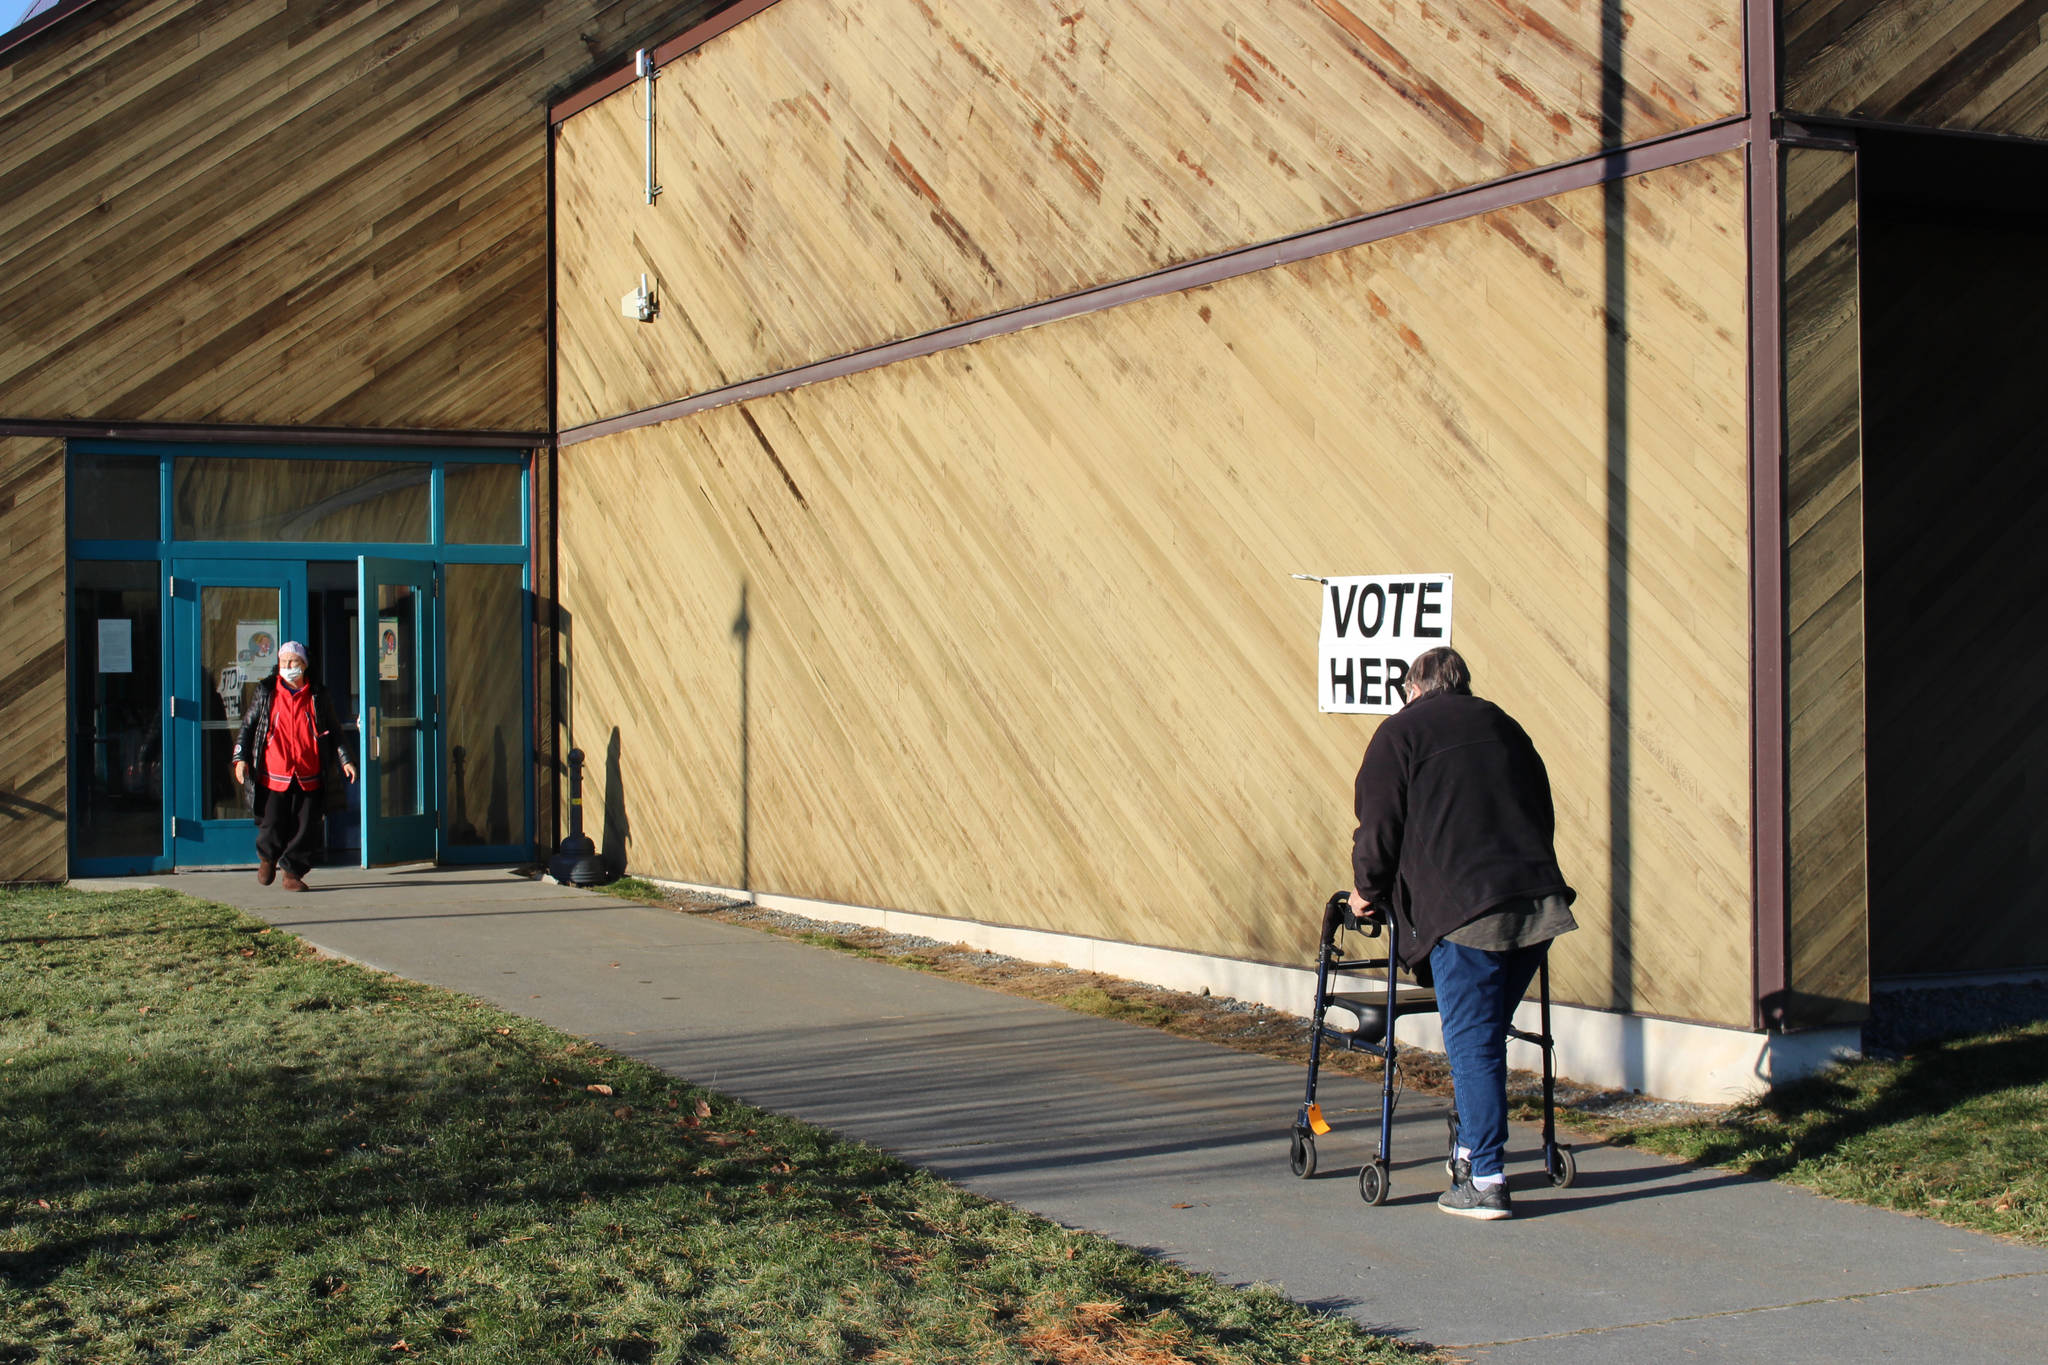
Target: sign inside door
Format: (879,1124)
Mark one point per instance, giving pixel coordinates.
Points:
(256,647)
(230,690)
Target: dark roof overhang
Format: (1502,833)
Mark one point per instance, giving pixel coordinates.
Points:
(36,25)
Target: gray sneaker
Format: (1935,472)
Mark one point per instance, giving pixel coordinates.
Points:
(1468,1200)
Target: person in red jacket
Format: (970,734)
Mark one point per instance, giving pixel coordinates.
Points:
(1456,834)
(288,748)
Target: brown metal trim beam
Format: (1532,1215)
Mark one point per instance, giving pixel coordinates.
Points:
(1527,187)
(1770,798)
(202,431)
(1845,127)
(682,45)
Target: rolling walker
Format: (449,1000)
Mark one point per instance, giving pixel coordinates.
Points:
(1376,1013)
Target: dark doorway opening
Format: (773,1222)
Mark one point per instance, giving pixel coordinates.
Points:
(1954,249)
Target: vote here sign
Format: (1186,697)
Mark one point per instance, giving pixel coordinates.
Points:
(1372,630)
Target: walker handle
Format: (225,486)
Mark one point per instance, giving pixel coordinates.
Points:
(1338,914)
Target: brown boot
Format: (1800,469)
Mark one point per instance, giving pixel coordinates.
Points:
(266,871)
(293,882)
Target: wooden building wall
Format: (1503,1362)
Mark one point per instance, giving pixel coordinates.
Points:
(1829,958)
(837,176)
(281,213)
(1977,65)
(1007,631)
(32,680)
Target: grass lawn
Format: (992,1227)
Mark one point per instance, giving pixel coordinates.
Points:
(220,1147)
(1955,1130)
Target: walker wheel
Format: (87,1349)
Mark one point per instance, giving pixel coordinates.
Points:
(1564,1167)
(1301,1154)
(1374,1184)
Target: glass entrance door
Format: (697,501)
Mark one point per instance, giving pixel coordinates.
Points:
(228,618)
(399,682)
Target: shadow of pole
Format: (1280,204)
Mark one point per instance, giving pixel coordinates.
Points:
(498,810)
(1613,94)
(617,847)
(742,631)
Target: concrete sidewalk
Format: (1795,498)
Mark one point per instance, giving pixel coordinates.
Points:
(1181,1148)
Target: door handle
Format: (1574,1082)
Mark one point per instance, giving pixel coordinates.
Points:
(376,737)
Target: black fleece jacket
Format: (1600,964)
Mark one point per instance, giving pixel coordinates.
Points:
(1454,818)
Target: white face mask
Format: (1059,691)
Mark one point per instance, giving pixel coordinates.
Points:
(291,673)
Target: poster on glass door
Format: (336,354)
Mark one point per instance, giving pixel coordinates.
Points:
(256,647)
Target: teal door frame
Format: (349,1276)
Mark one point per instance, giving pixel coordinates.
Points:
(185,563)
(198,839)
(401,733)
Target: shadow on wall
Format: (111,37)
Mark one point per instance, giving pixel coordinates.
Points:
(497,829)
(617,844)
(460,828)
(1613,92)
(743,631)
(498,811)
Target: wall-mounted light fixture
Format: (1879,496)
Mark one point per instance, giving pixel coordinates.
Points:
(640,305)
(644,68)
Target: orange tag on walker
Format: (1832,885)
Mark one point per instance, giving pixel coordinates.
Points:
(1317,1124)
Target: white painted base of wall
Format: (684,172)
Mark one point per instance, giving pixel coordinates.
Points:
(1681,1061)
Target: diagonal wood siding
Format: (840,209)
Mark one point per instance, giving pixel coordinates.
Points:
(1021,643)
(282,213)
(836,176)
(1962,64)
(1830,947)
(32,710)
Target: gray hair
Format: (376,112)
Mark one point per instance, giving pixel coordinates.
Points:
(1442,669)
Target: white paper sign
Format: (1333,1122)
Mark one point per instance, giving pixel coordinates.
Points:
(230,692)
(117,644)
(256,645)
(387,648)
(1372,630)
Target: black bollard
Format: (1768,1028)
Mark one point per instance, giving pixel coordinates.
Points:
(576,862)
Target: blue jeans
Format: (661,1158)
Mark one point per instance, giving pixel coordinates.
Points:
(1476,995)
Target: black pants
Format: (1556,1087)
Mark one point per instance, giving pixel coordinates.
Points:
(289,832)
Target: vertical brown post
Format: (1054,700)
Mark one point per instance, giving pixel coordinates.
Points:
(1769,870)
(547,656)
